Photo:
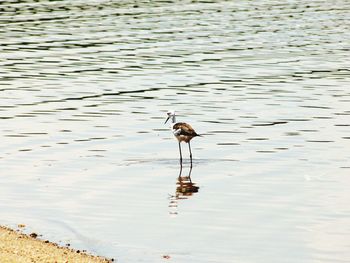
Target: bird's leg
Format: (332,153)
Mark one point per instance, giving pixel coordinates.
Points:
(189,147)
(180,153)
(180,172)
(189,173)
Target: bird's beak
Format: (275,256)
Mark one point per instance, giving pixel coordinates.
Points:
(167,119)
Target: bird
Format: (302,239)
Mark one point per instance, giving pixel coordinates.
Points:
(182,131)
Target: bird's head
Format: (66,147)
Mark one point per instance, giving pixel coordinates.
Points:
(171,114)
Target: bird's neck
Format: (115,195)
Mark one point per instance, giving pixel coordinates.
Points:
(173,119)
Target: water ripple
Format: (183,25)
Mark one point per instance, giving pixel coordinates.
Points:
(84,90)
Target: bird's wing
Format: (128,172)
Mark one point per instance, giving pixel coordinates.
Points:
(182,128)
(177,132)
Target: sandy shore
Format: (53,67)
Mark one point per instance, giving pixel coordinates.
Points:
(19,248)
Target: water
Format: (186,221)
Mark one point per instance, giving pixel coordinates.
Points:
(87,160)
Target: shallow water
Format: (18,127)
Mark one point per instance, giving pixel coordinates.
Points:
(86,158)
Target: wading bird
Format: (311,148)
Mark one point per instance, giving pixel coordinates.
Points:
(182,131)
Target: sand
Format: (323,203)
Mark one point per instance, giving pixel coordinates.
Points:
(16,247)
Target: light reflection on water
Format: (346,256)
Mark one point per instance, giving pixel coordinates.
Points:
(185,188)
(86,159)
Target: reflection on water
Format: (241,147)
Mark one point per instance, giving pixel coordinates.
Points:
(184,189)
(84,87)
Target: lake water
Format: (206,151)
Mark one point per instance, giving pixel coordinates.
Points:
(87,160)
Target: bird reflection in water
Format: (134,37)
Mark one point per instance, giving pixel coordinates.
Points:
(184,189)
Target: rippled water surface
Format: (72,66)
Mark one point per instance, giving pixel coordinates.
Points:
(86,158)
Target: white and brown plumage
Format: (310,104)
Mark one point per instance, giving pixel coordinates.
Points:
(182,131)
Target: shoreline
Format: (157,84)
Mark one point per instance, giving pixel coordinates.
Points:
(18,247)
